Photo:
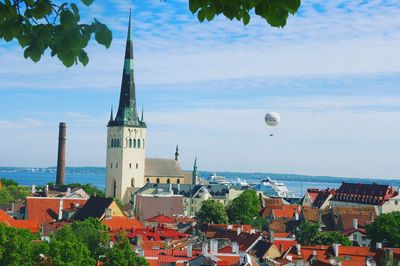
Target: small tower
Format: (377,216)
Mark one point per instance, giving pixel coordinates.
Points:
(176,153)
(126,136)
(195,179)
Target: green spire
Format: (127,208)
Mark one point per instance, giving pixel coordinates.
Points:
(127,114)
(194,173)
(176,153)
(111,115)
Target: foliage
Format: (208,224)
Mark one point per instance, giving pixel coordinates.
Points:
(92,233)
(10,191)
(122,254)
(274,12)
(39,25)
(245,209)
(212,211)
(16,246)
(386,229)
(309,234)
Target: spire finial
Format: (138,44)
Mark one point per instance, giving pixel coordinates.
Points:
(176,153)
(111,115)
(194,173)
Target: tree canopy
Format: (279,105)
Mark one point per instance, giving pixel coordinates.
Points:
(245,209)
(212,211)
(386,229)
(10,191)
(39,25)
(309,234)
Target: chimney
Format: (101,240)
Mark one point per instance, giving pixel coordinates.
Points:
(214,246)
(189,250)
(61,154)
(239,230)
(235,248)
(271,236)
(46,190)
(60,209)
(298,249)
(204,249)
(296,216)
(355,224)
(336,249)
(252,231)
(378,245)
(229,227)
(68,192)
(33,189)
(372,217)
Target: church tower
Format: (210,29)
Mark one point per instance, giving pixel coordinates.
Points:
(126,136)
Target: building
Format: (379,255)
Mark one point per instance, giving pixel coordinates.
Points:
(126,163)
(383,197)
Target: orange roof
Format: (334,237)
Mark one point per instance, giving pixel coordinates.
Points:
(226,260)
(160,219)
(30,225)
(46,209)
(287,212)
(152,244)
(123,223)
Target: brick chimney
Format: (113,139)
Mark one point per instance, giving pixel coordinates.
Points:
(61,154)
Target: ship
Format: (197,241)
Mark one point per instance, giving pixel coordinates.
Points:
(273,188)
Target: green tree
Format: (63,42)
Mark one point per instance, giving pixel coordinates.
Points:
(17,246)
(39,25)
(91,232)
(307,232)
(245,209)
(212,211)
(386,229)
(8,182)
(274,12)
(122,254)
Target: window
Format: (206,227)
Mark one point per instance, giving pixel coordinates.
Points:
(117,142)
(111,165)
(132,182)
(148,180)
(138,143)
(158,181)
(396,202)
(168,181)
(137,166)
(130,143)
(116,165)
(115,188)
(178,181)
(130,166)
(134,143)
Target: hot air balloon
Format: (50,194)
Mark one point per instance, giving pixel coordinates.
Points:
(272,119)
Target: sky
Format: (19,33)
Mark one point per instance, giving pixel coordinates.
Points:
(333,74)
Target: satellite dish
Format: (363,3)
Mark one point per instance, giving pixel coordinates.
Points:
(272,119)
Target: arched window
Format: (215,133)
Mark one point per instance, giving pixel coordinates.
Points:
(112,143)
(143,143)
(130,143)
(118,144)
(137,165)
(130,166)
(158,181)
(111,165)
(168,181)
(114,188)
(178,181)
(134,143)
(148,180)
(116,165)
(132,182)
(138,143)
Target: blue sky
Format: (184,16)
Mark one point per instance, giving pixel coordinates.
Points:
(333,73)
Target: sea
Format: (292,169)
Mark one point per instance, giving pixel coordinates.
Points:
(298,184)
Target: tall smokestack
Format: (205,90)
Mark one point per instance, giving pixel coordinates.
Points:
(61,154)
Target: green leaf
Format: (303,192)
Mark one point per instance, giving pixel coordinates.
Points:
(292,5)
(87,2)
(83,57)
(67,18)
(245,18)
(103,35)
(201,15)
(76,11)
(193,5)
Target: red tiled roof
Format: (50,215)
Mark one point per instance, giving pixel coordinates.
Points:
(122,223)
(30,225)
(160,218)
(312,194)
(287,212)
(161,256)
(228,260)
(43,209)
(362,220)
(150,206)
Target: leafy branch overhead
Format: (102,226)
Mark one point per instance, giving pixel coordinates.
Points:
(275,12)
(39,25)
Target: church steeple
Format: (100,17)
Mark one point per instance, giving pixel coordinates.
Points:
(111,115)
(127,114)
(194,173)
(176,153)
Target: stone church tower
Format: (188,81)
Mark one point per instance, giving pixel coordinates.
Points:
(126,136)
